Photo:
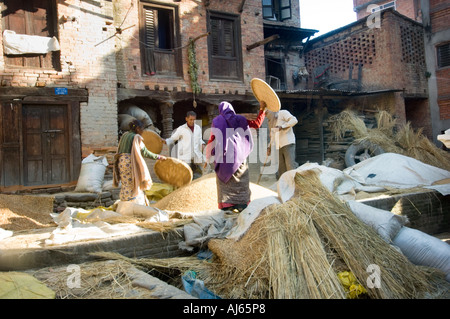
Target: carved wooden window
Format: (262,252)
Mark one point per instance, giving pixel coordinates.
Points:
(31,17)
(159,40)
(225,58)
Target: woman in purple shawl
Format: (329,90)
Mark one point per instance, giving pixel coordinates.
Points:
(233,144)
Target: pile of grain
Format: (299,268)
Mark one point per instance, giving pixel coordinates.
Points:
(201,195)
(24,212)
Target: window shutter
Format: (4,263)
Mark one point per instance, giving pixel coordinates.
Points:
(215,36)
(149,15)
(285,10)
(443,55)
(228,38)
(268,9)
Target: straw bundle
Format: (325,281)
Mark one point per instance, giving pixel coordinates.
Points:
(391,137)
(240,269)
(357,244)
(299,267)
(296,250)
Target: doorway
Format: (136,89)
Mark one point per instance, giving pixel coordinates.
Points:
(46,150)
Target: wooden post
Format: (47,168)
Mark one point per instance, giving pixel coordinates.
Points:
(262,42)
(241,6)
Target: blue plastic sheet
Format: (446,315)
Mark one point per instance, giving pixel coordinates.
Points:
(196,287)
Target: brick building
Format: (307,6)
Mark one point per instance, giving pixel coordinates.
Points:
(434,15)
(59,105)
(437,54)
(408,8)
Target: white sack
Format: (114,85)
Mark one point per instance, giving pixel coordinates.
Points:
(333,179)
(423,249)
(124,121)
(28,44)
(399,171)
(385,223)
(249,214)
(128,208)
(92,174)
(5,233)
(138,113)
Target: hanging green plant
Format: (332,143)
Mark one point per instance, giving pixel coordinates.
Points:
(193,68)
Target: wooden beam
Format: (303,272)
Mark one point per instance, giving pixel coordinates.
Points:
(241,6)
(262,42)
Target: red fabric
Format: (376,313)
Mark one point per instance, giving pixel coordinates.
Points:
(251,123)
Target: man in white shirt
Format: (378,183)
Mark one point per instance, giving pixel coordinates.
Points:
(190,143)
(282,135)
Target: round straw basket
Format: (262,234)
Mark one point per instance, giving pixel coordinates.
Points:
(173,171)
(263,92)
(152,141)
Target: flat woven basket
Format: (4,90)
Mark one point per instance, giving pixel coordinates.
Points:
(152,141)
(173,171)
(264,92)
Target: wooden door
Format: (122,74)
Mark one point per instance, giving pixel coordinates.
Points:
(45,144)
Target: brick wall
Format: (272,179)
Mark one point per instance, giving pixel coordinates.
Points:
(439,13)
(409,8)
(392,55)
(83,65)
(193,23)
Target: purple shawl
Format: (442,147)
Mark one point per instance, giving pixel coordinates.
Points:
(234,142)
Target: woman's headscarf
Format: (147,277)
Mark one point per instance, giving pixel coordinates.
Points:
(235,143)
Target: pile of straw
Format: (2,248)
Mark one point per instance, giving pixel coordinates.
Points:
(99,280)
(391,137)
(296,249)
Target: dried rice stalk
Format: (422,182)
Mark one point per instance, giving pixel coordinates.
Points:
(357,244)
(348,121)
(391,137)
(181,263)
(99,280)
(239,269)
(299,267)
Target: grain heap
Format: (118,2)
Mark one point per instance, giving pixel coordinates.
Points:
(201,195)
(23,212)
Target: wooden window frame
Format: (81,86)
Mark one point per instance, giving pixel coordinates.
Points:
(277,8)
(439,61)
(175,39)
(237,46)
(30,61)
